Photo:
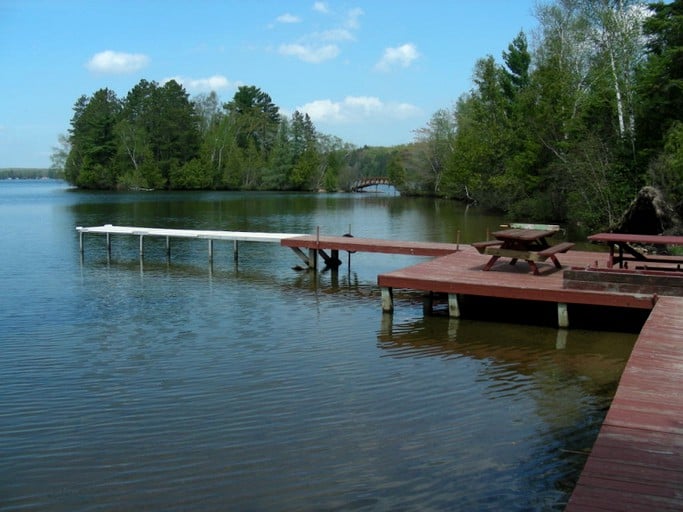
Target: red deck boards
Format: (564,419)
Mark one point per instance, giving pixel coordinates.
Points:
(637,460)
(461,272)
(344,243)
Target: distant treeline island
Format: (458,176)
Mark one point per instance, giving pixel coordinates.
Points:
(27,173)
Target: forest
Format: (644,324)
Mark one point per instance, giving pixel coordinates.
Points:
(567,125)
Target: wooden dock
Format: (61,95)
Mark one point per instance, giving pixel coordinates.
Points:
(307,247)
(318,245)
(168,234)
(637,460)
(462,273)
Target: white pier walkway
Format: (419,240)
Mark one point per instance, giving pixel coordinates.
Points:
(210,235)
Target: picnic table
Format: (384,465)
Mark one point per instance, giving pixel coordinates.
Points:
(622,250)
(530,245)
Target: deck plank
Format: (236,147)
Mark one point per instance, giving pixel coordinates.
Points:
(242,236)
(379,245)
(637,460)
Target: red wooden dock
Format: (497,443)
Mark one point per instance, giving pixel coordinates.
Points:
(637,460)
(317,245)
(462,273)
(346,243)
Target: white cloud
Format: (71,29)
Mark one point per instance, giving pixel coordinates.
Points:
(403,55)
(197,85)
(117,62)
(353,16)
(319,46)
(310,53)
(357,108)
(321,7)
(288,18)
(335,34)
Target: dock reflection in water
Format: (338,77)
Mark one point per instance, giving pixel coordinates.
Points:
(524,400)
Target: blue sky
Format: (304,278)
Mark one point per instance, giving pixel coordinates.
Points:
(369,72)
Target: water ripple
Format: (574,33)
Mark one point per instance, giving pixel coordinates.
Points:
(184,387)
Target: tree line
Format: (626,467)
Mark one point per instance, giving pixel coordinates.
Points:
(573,128)
(157,138)
(566,128)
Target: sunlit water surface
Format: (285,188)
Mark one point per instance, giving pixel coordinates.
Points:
(157,385)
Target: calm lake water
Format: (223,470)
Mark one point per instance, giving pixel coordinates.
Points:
(187,386)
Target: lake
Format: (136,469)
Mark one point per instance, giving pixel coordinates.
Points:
(180,385)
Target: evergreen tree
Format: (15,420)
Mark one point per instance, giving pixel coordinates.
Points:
(175,141)
(93,141)
(256,116)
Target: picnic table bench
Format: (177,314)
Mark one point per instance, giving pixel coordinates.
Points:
(525,244)
(622,248)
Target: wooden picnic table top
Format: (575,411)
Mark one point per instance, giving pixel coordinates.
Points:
(523,235)
(628,238)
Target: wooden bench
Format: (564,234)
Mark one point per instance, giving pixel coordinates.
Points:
(624,247)
(541,255)
(555,249)
(481,246)
(530,256)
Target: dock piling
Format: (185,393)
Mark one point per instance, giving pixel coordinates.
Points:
(387,299)
(562,315)
(453,306)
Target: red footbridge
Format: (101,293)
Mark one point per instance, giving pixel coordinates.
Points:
(362,183)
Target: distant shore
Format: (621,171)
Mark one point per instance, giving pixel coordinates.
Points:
(9,173)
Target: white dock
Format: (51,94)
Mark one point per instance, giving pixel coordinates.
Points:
(210,235)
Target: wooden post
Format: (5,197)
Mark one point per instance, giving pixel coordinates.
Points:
(348,254)
(387,300)
(236,250)
(453,306)
(168,247)
(142,252)
(562,315)
(108,246)
(210,250)
(313,253)
(457,240)
(80,240)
